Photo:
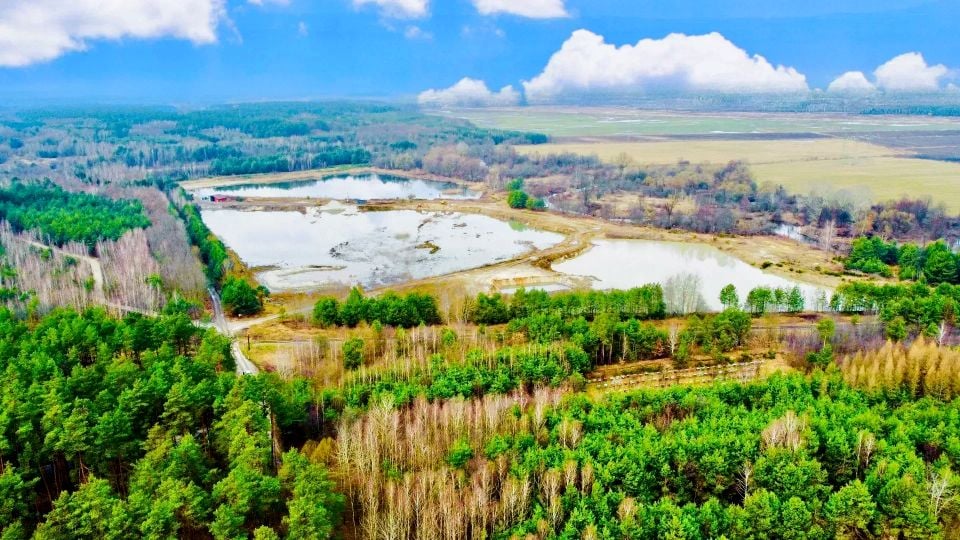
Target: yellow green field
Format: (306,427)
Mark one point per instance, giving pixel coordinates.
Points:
(627,122)
(801,165)
(878,178)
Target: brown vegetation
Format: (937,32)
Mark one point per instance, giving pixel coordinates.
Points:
(402,479)
(130,272)
(922,369)
(55,278)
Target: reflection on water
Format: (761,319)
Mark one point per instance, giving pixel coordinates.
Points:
(364,187)
(621,264)
(338,244)
(518,226)
(794,232)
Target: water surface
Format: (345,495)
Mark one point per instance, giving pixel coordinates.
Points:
(621,264)
(363,187)
(337,244)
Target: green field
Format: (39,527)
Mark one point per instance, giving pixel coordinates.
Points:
(876,178)
(610,122)
(841,161)
(867,171)
(754,152)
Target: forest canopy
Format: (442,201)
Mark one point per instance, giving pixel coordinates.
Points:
(139,428)
(64,216)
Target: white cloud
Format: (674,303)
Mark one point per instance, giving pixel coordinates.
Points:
(534,9)
(469,93)
(415,32)
(401,9)
(676,63)
(910,73)
(851,82)
(482,31)
(303,29)
(264,2)
(39,30)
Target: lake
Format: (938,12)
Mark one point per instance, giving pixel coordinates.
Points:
(363,187)
(622,264)
(337,244)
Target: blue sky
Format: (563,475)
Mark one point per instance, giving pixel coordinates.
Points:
(294,49)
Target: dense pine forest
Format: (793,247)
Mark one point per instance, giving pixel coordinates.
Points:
(137,427)
(66,217)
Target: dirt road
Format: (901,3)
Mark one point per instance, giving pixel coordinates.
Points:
(96,272)
(244,365)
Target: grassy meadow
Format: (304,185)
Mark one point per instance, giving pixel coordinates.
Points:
(801,165)
(623,122)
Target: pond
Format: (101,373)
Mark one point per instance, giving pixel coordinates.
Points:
(692,274)
(363,187)
(337,244)
(794,232)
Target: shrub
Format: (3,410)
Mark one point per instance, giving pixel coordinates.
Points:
(241,299)
(353,353)
(535,203)
(517,199)
(460,454)
(326,312)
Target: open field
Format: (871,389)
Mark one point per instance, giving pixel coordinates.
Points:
(713,151)
(877,179)
(823,165)
(623,122)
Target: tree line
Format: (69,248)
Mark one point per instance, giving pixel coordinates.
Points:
(404,311)
(906,309)
(934,263)
(239,297)
(595,327)
(327,157)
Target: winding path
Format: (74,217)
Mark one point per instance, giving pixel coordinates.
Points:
(244,365)
(96,271)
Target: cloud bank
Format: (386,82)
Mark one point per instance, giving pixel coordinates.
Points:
(417,9)
(469,93)
(34,31)
(400,9)
(534,9)
(676,63)
(851,82)
(908,72)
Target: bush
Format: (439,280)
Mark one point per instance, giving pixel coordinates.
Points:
(517,199)
(490,310)
(460,454)
(326,312)
(241,299)
(897,329)
(353,353)
(536,203)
